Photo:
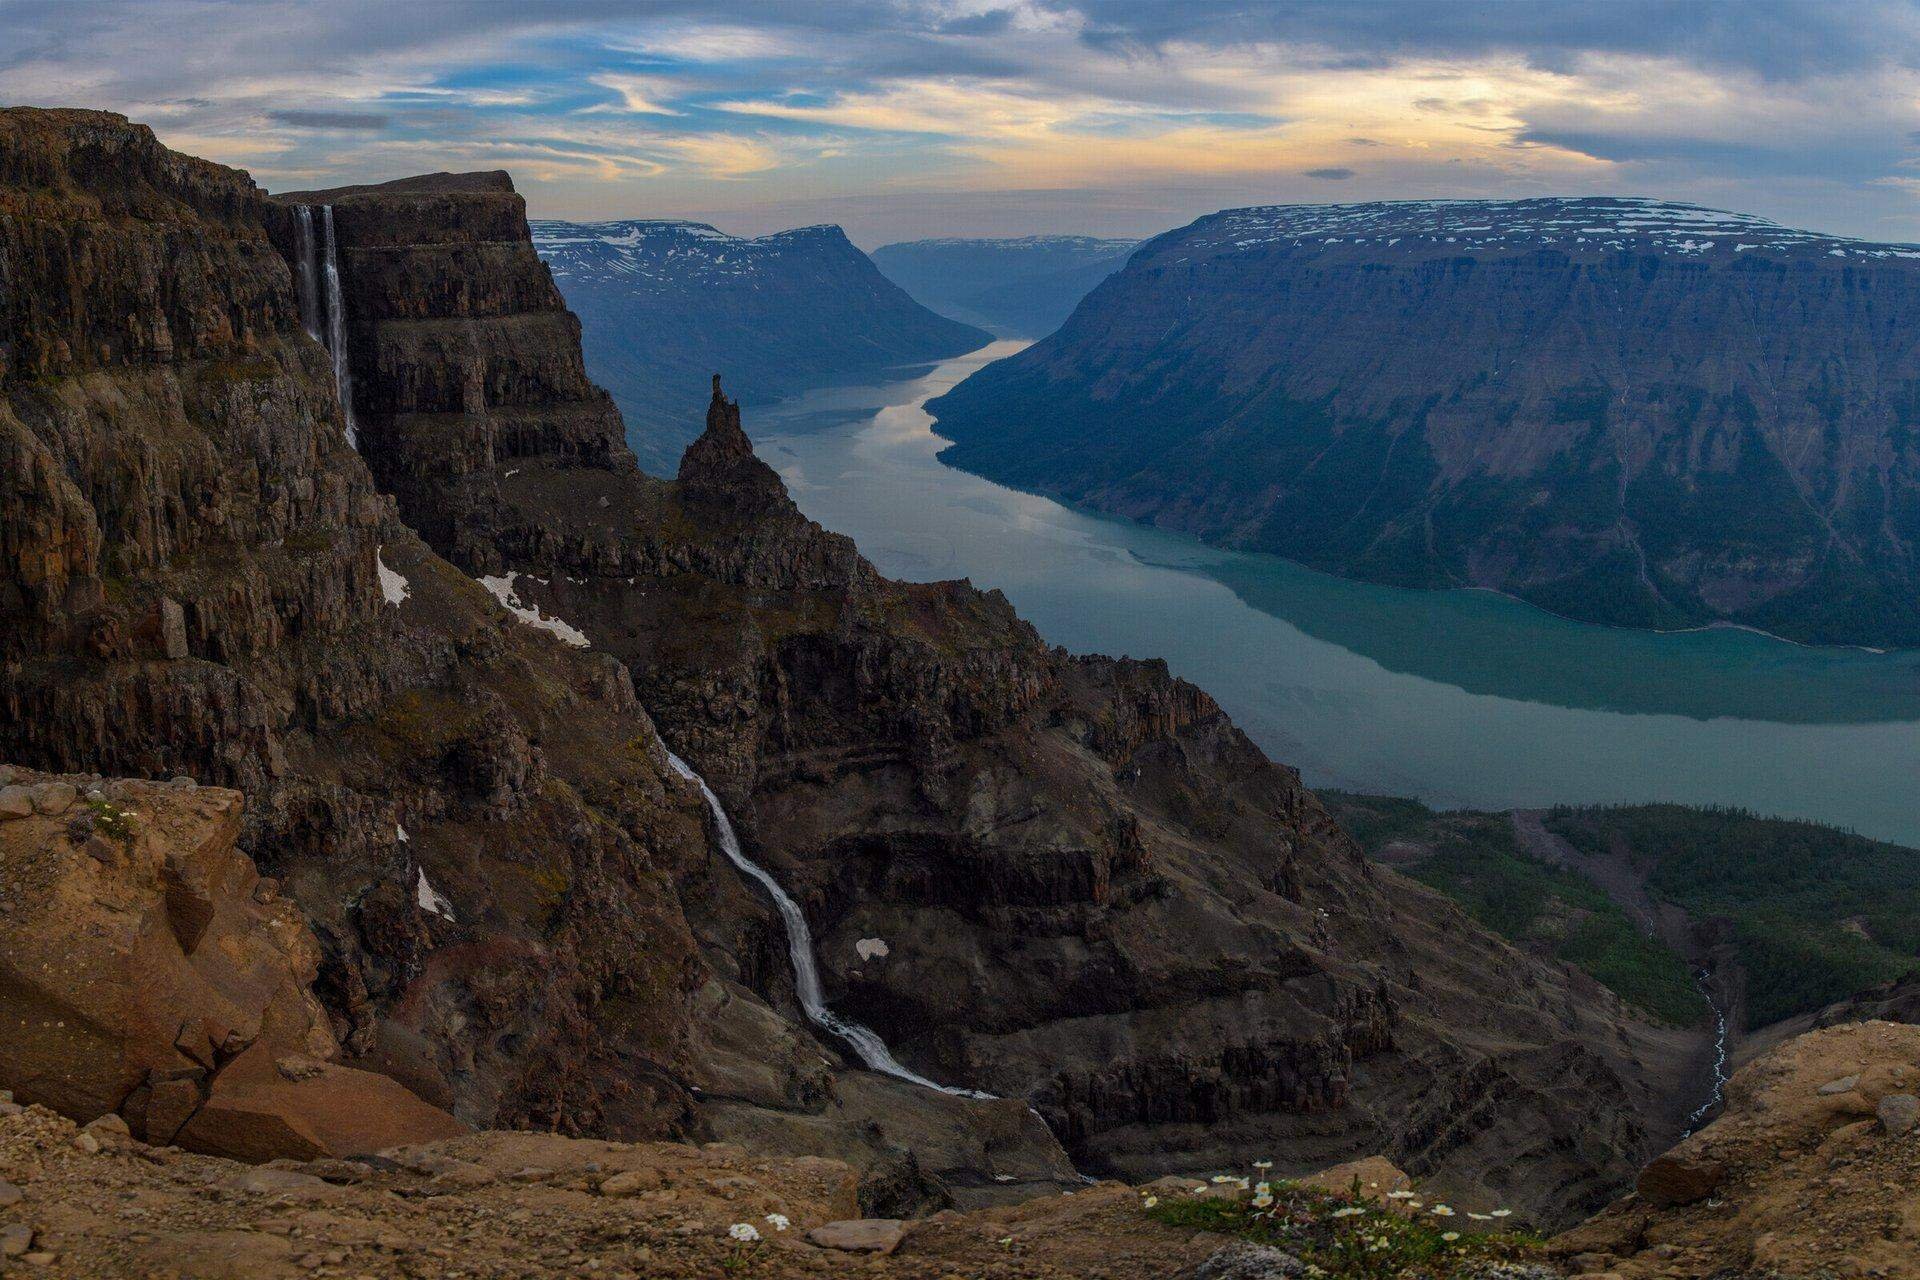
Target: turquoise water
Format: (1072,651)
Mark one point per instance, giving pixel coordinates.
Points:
(1463,698)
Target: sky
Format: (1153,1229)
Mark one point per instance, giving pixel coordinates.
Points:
(900,119)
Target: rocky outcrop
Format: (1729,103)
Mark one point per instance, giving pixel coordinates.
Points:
(1065,880)
(147,969)
(1625,411)
(1811,1170)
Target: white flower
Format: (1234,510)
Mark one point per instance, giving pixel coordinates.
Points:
(1264,1188)
(1263,1164)
(1150,1201)
(744,1231)
(1399,1195)
(780,1221)
(1351,1211)
(1502,1213)
(1223,1178)
(1262,1199)
(1449,1236)
(1480,1217)
(1442,1211)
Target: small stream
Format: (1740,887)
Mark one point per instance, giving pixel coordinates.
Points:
(1717,1093)
(871,1049)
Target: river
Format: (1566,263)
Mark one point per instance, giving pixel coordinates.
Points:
(1462,698)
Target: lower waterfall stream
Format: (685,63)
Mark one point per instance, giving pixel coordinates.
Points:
(871,1049)
(1719,1088)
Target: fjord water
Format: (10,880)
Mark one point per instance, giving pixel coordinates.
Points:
(1462,698)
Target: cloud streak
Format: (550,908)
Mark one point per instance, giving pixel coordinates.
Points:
(1127,114)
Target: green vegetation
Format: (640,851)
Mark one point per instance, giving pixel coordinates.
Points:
(1346,1237)
(112,821)
(1475,859)
(1816,913)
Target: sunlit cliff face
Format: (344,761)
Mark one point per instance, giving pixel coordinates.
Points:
(1142,113)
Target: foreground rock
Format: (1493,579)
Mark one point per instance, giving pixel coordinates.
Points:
(147,969)
(499,1205)
(1812,1170)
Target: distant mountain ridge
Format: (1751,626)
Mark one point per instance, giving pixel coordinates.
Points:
(663,304)
(1021,287)
(1623,410)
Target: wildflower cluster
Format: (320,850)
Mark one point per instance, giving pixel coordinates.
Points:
(1355,1235)
(110,820)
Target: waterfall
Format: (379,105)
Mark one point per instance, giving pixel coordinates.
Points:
(337,325)
(307,285)
(806,974)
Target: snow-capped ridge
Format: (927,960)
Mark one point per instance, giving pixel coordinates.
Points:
(1565,222)
(665,249)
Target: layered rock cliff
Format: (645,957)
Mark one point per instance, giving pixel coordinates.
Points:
(203,579)
(1063,879)
(1623,410)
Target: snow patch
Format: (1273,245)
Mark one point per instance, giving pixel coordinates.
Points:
(430,898)
(501,585)
(392,585)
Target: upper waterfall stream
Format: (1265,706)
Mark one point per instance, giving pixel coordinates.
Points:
(323,310)
(871,1048)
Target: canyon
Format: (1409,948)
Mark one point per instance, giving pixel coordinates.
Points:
(1014,287)
(376,660)
(665,303)
(1096,896)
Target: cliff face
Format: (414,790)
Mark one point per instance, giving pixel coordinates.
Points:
(1625,411)
(1069,880)
(203,579)
(667,303)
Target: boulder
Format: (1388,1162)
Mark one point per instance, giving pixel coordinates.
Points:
(257,1111)
(1898,1113)
(860,1235)
(1249,1262)
(158,985)
(1375,1176)
(1681,1176)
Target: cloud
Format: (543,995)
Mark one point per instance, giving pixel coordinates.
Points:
(1803,110)
(348,120)
(643,95)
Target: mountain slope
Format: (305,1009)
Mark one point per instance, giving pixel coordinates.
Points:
(1622,410)
(1068,880)
(664,304)
(1016,288)
(1065,880)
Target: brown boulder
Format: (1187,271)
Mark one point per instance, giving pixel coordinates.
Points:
(258,1110)
(1375,1176)
(137,983)
(1679,1177)
(860,1235)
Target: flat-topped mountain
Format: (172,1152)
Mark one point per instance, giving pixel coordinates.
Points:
(1623,410)
(1018,287)
(665,303)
